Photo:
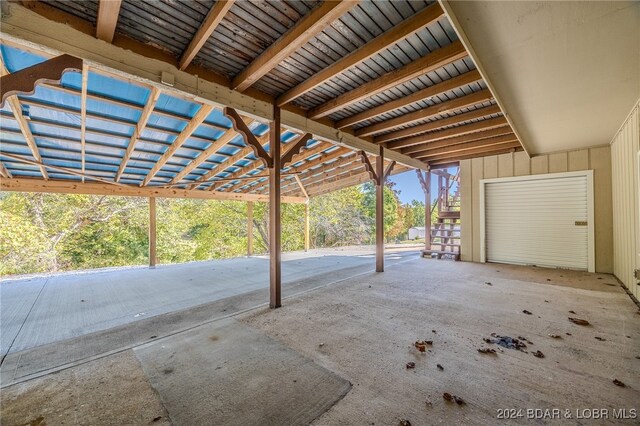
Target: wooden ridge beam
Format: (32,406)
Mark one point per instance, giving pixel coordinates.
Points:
(108,11)
(399,32)
(421,95)
(434,60)
(214,17)
(453,131)
(195,122)
(466,137)
(137,131)
(446,107)
(297,36)
(91,188)
(433,125)
(498,140)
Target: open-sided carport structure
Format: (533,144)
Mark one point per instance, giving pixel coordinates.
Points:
(256,101)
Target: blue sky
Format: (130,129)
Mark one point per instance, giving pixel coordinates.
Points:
(409,186)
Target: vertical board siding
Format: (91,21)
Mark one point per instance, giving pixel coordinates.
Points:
(516,164)
(624,151)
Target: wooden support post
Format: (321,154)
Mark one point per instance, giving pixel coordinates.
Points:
(427,211)
(152,233)
(380,211)
(275,272)
(250,228)
(306,227)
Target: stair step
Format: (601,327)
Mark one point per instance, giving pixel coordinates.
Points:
(428,253)
(445,244)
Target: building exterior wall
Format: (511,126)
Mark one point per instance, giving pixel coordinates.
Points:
(597,159)
(624,164)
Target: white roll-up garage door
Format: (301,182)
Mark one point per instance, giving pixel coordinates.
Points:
(538,220)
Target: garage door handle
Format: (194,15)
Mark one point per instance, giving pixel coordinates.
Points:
(581,223)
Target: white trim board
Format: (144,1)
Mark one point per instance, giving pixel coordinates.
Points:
(590,209)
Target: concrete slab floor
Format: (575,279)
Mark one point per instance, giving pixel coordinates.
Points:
(39,310)
(363,330)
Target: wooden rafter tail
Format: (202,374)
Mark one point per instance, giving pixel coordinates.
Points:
(211,22)
(137,131)
(24,82)
(388,170)
(241,127)
(368,166)
(295,148)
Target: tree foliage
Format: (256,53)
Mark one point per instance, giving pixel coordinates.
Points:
(54,232)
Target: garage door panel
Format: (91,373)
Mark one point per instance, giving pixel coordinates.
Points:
(533,221)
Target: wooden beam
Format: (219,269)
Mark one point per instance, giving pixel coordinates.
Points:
(388,170)
(137,131)
(195,122)
(304,174)
(434,60)
(467,129)
(208,26)
(296,37)
(466,137)
(306,227)
(314,179)
(420,95)
(250,228)
(478,152)
(304,192)
(295,148)
(446,107)
(108,11)
(437,124)
(153,258)
(275,219)
(369,167)
(469,145)
(4,172)
(401,31)
(425,182)
(24,82)
(91,188)
(83,114)
(250,139)
(380,212)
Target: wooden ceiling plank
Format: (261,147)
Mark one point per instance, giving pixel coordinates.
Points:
(191,127)
(108,11)
(422,128)
(421,95)
(208,26)
(137,131)
(297,36)
(434,60)
(401,31)
(446,107)
(467,137)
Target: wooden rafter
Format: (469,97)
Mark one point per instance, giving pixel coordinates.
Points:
(108,11)
(25,129)
(4,172)
(295,148)
(208,26)
(420,95)
(467,137)
(296,37)
(24,82)
(249,138)
(304,191)
(454,131)
(324,170)
(446,107)
(479,152)
(401,31)
(83,115)
(137,131)
(91,188)
(195,122)
(434,60)
(324,178)
(437,124)
(464,147)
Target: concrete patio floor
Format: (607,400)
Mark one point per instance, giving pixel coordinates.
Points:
(362,329)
